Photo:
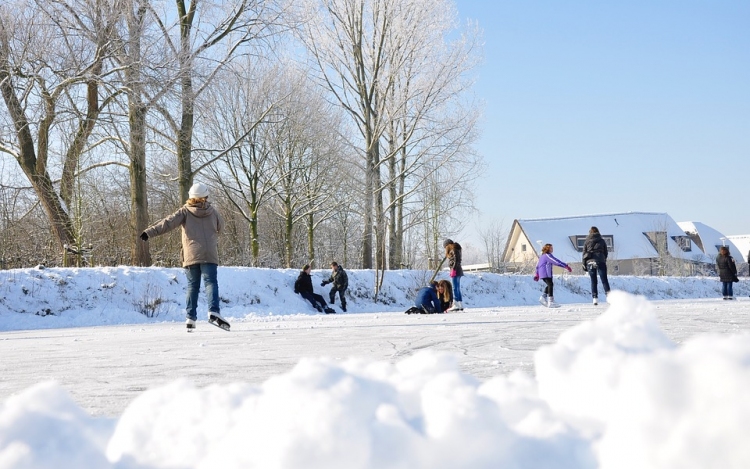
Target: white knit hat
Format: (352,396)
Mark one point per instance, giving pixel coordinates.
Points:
(198,191)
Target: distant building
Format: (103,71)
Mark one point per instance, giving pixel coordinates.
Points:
(640,243)
(710,240)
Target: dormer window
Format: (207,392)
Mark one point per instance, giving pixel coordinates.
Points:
(579,240)
(684,243)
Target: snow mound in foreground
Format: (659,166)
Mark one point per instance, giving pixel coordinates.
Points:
(610,393)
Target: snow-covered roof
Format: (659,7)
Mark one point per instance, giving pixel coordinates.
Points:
(627,231)
(711,239)
(742,242)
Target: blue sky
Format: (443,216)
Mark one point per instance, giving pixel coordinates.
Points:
(599,107)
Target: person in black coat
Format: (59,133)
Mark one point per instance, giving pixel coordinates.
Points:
(595,261)
(727,272)
(340,282)
(303,286)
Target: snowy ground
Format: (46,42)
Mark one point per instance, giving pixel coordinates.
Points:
(88,381)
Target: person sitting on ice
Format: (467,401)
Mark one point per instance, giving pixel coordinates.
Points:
(303,286)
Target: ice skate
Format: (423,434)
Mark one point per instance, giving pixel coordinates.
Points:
(190,324)
(216,319)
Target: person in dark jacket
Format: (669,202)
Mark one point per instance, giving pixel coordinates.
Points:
(340,282)
(427,299)
(303,286)
(595,261)
(201,225)
(444,293)
(453,254)
(727,269)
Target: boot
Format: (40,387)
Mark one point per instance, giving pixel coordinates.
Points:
(456,306)
(190,324)
(551,302)
(596,301)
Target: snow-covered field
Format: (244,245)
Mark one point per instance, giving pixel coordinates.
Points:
(89,381)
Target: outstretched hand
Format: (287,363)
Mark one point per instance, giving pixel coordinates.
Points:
(569,269)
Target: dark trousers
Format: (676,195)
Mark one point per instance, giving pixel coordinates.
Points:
(601,268)
(342,296)
(549,287)
(726,289)
(315,299)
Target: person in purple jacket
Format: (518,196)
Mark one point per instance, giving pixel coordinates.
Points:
(544,272)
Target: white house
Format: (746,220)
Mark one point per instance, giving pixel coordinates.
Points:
(710,240)
(742,243)
(640,243)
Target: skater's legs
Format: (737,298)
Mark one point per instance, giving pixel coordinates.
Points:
(212,287)
(309,297)
(548,289)
(594,286)
(193,274)
(332,295)
(342,296)
(319,299)
(603,275)
(456,288)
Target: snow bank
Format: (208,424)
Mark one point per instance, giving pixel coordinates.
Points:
(610,393)
(59,297)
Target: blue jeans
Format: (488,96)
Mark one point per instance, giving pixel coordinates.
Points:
(456,288)
(601,268)
(194,274)
(726,289)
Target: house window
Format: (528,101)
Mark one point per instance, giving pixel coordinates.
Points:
(523,248)
(683,242)
(579,240)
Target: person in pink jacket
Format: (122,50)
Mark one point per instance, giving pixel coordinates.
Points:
(544,272)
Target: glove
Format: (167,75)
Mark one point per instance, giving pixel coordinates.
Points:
(144,236)
(569,269)
(323,283)
(536,277)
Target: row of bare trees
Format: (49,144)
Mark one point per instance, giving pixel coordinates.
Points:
(326,128)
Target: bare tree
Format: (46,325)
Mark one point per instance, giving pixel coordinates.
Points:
(387,63)
(51,65)
(210,36)
(494,237)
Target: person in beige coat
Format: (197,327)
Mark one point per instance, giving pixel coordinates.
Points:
(201,225)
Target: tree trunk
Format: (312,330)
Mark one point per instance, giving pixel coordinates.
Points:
(310,237)
(187,98)
(137,121)
(138,185)
(35,167)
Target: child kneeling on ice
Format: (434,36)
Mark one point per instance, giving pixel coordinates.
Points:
(544,272)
